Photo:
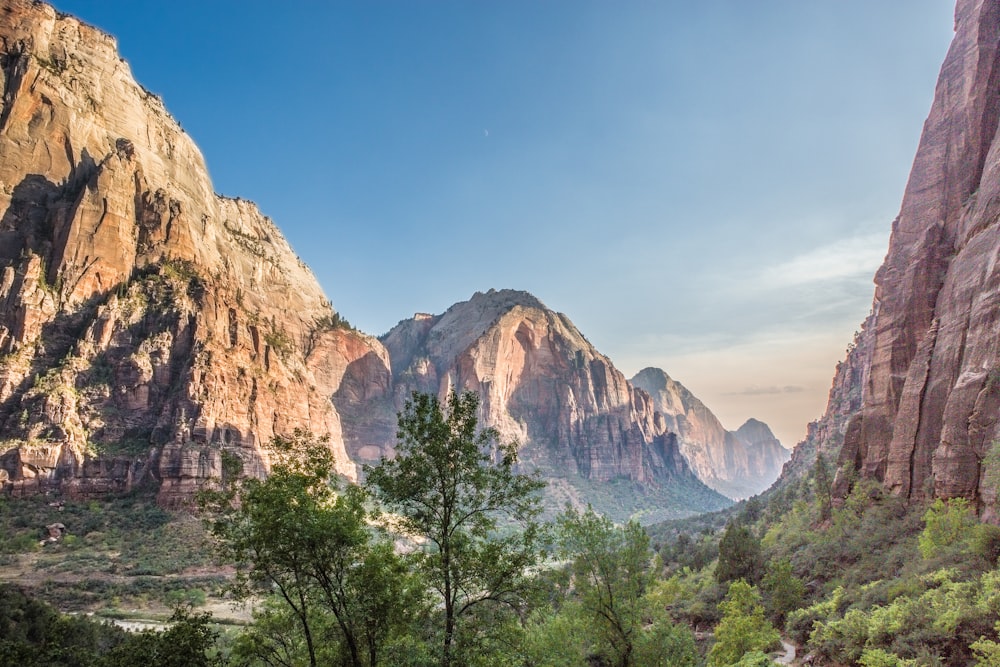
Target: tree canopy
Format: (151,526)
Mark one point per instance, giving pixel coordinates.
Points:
(456,489)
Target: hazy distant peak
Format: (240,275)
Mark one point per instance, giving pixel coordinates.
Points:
(652,379)
(755,431)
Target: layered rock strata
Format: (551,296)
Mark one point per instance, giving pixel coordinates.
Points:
(148,325)
(928,422)
(544,384)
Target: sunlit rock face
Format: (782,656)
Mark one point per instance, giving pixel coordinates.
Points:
(931,393)
(543,384)
(737,464)
(146,324)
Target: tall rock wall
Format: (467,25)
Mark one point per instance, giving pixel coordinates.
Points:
(932,394)
(147,324)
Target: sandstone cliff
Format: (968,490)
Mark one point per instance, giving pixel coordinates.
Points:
(736,464)
(542,383)
(147,324)
(928,418)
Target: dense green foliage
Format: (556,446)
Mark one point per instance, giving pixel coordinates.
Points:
(870,579)
(743,628)
(450,484)
(611,598)
(33,634)
(296,535)
(440,560)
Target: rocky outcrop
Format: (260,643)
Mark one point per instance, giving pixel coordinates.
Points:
(928,420)
(542,383)
(148,325)
(736,464)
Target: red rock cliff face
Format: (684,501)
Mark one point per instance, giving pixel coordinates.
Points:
(932,395)
(147,324)
(544,384)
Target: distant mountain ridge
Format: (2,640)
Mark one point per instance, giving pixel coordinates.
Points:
(541,382)
(738,463)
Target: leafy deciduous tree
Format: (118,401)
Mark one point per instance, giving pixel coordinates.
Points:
(295,534)
(743,627)
(612,568)
(783,591)
(451,483)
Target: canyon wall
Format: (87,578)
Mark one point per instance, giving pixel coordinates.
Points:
(542,383)
(927,423)
(147,324)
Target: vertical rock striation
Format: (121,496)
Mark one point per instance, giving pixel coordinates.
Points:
(544,384)
(149,326)
(146,324)
(928,419)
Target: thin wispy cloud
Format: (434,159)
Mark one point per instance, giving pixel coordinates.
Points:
(854,257)
(755,390)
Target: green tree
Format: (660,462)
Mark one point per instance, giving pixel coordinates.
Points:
(665,644)
(451,483)
(876,657)
(987,651)
(739,555)
(754,659)
(295,534)
(823,488)
(612,568)
(557,638)
(949,527)
(743,627)
(188,642)
(783,591)
(611,571)
(275,638)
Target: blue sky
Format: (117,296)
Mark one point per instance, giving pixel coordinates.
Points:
(706,186)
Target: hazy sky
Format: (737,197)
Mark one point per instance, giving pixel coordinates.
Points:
(704,186)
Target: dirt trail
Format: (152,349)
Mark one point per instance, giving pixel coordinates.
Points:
(788,655)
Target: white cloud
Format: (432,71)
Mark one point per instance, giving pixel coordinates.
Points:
(855,257)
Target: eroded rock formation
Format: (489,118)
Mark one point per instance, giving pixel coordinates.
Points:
(541,382)
(928,419)
(737,464)
(147,324)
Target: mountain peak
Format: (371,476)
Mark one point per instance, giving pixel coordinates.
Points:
(652,378)
(738,464)
(503,299)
